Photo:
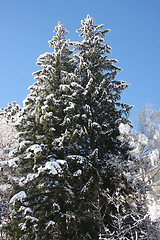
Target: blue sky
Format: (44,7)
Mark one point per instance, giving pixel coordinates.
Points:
(26,27)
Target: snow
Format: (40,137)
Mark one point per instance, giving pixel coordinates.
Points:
(156,136)
(94,153)
(28,98)
(3,163)
(154,155)
(68,189)
(83,131)
(124,128)
(58,141)
(96,126)
(84,116)
(77,173)
(62,162)
(49,114)
(44,108)
(23,144)
(88,109)
(4,187)
(89,123)
(80,159)
(66,120)
(89,84)
(12,152)
(32,219)
(65,87)
(53,168)
(13,162)
(56,207)
(50,223)
(29,155)
(154,211)
(71,107)
(142,139)
(30,177)
(25,210)
(22,226)
(50,96)
(36,148)
(76,85)
(18,197)
(85,187)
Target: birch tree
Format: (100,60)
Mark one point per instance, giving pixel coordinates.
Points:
(145,168)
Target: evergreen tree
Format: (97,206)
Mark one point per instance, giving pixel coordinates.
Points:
(96,118)
(37,186)
(69,153)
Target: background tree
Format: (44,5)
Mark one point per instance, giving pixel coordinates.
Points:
(123,227)
(8,142)
(145,167)
(148,121)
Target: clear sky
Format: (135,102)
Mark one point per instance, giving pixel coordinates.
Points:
(27,25)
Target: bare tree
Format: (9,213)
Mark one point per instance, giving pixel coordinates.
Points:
(145,150)
(8,143)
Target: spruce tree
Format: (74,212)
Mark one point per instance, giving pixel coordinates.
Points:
(95,122)
(34,203)
(69,153)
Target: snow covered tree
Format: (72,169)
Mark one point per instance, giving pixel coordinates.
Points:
(145,168)
(8,142)
(69,152)
(34,209)
(96,120)
(127,223)
(148,121)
